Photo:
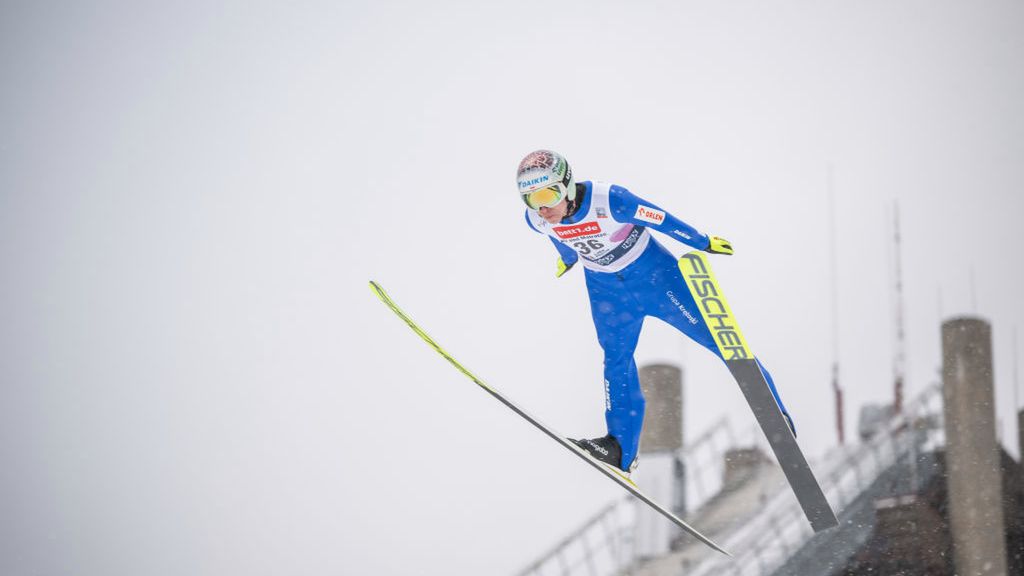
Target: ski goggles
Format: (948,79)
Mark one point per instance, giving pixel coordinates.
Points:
(544,198)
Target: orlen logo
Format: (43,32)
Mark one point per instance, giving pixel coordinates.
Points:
(585,229)
(649,215)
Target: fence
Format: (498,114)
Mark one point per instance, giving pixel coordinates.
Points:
(604,545)
(766,541)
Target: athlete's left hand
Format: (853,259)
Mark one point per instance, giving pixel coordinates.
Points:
(719,245)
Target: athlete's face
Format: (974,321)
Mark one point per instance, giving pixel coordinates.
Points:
(555,213)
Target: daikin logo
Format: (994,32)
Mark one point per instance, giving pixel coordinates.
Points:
(534,181)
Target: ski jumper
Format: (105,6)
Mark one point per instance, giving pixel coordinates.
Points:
(629,276)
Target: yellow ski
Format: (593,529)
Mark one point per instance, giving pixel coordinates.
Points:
(744,368)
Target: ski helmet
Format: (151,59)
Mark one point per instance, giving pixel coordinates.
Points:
(544,178)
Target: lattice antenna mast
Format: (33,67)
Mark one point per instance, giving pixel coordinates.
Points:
(899,359)
(836,389)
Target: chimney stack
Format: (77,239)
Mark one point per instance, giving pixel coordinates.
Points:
(663,424)
(973,473)
(661,474)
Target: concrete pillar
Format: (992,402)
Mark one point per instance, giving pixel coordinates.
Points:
(661,474)
(741,464)
(974,478)
(1020,436)
(663,424)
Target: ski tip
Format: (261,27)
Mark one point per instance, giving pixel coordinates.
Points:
(382,295)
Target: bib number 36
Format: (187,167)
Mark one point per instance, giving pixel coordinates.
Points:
(587,247)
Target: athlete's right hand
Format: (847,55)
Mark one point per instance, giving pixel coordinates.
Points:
(563,268)
(719,245)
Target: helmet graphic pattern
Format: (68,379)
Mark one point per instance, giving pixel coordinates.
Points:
(541,159)
(544,168)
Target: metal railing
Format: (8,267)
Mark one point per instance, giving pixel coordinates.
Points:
(604,545)
(766,541)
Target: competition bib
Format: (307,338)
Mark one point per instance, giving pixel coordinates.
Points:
(603,243)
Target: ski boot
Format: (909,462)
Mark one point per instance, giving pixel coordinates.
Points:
(607,450)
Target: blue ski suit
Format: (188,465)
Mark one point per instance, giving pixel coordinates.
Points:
(629,276)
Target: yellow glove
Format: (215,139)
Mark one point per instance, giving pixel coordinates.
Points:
(562,268)
(719,245)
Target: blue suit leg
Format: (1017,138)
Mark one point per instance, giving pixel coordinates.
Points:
(618,320)
(775,393)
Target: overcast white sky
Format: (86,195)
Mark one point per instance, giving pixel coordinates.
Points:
(195,378)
